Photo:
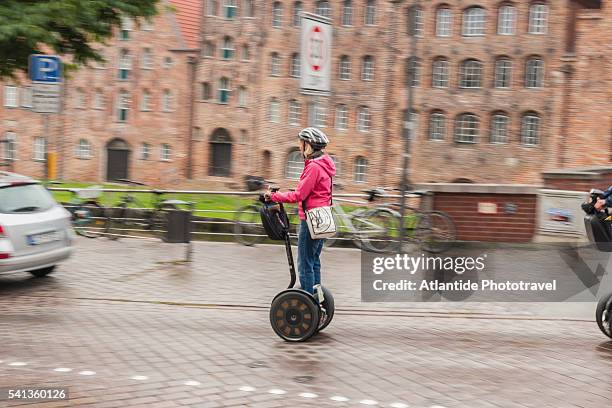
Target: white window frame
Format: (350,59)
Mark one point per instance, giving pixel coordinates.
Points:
(249,9)
(274,111)
(167,101)
(277,14)
(364,119)
(534,74)
(297,9)
(26,97)
(344,68)
(506,20)
(145,151)
(99,101)
(474,22)
(211,7)
(80,99)
(361,170)
(227,6)
(467,128)
(245,53)
(83,149)
(317,115)
(444,22)
(294,113)
(225,91)
(127,25)
(165,152)
(168,62)
(39,149)
(323,11)
(369,17)
(530,129)
(499,128)
(145,102)
(471,74)
(440,73)
(9,147)
(538,19)
(501,69)
(296,67)
(275,64)
(11,96)
(125,64)
(147,24)
(416,24)
(294,165)
(123,106)
(437,126)
(367,68)
(209,49)
(147,58)
(242,97)
(227,49)
(342,117)
(347,13)
(413,71)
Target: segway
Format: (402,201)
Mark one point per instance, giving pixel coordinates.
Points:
(598,226)
(295,315)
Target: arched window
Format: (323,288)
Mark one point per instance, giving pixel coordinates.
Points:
(344,68)
(530,129)
(242,97)
(413,71)
(295,112)
(83,149)
(474,19)
(274,111)
(503,72)
(295,165)
(249,9)
(534,72)
(125,65)
(367,68)
(323,8)
(364,119)
(538,18)
(206,91)
(444,22)
(342,117)
(361,169)
(220,153)
(499,127)
(295,65)
(370,12)
(440,73)
(415,21)
(275,64)
(471,74)
(277,14)
(437,126)
(123,105)
(145,101)
(466,128)
(227,51)
(347,13)
(297,9)
(224,90)
(506,20)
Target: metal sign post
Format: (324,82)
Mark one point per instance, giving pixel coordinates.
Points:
(406,155)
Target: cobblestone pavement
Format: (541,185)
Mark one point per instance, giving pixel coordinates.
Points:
(123,325)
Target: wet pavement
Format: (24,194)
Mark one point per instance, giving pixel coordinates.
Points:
(125,324)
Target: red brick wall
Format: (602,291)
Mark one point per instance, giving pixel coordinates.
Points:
(500,227)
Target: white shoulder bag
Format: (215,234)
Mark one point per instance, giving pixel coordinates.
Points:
(321,221)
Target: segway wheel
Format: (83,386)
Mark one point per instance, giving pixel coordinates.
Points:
(294,315)
(329,306)
(604,315)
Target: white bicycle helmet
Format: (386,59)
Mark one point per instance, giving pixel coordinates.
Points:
(315,137)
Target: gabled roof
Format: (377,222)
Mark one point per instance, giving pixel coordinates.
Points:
(188,18)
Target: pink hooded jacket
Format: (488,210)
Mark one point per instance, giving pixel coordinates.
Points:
(315,186)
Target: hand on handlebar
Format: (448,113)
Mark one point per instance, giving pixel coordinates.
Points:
(600,204)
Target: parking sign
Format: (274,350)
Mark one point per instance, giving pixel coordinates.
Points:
(46,69)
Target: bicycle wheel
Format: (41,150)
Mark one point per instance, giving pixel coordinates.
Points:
(88,220)
(378,230)
(247,226)
(436,232)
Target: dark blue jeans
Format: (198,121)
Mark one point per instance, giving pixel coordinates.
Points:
(309,264)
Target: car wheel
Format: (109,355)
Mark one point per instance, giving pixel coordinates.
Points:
(39,273)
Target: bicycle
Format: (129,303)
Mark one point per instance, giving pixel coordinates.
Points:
(133,216)
(433,231)
(87,213)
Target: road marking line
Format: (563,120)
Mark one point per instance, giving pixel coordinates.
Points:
(339,398)
(247,388)
(18,364)
(368,402)
(398,405)
(87,372)
(139,377)
(62,370)
(308,395)
(277,391)
(192,383)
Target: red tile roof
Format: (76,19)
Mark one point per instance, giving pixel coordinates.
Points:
(188,14)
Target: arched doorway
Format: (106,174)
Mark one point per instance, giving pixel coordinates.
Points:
(117,159)
(220,161)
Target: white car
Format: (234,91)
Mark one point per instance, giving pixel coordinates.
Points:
(35,231)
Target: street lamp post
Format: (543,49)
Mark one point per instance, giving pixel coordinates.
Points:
(406,138)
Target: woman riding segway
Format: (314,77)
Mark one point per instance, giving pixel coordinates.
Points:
(298,314)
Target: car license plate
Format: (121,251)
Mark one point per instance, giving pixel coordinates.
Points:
(44,238)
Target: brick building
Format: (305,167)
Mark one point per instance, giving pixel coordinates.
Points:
(503,90)
(126,118)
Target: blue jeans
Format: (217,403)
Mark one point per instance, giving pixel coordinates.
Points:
(309,264)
